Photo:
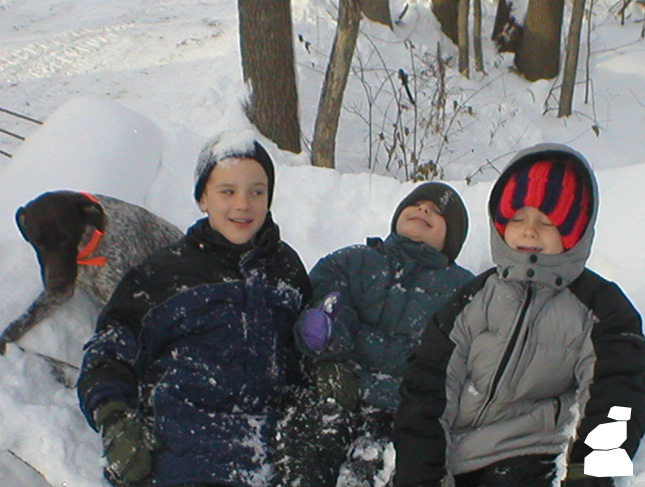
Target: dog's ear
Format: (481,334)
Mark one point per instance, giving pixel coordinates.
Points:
(92,212)
(20,221)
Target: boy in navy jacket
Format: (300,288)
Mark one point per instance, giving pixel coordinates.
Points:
(185,374)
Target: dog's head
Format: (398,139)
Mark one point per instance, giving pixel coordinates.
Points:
(54,224)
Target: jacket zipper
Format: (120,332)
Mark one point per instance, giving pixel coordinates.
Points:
(507,354)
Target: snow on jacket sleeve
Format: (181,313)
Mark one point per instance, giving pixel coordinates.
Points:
(613,374)
(108,371)
(420,437)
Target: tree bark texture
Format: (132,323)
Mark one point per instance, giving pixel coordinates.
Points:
(266,46)
(571,60)
(323,146)
(446,13)
(502,18)
(538,52)
(462,27)
(477,36)
(506,31)
(377,11)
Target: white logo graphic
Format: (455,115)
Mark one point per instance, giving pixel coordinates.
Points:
(609,460)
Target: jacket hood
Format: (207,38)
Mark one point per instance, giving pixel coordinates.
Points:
(559,270)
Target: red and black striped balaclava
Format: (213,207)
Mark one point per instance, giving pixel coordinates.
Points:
(554,188)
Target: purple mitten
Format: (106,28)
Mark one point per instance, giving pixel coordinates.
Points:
(315,329)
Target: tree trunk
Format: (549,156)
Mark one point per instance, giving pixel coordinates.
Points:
(377,11)
(507,32)
(588,53)
(266,46)
(502,18)
(571,61)
(477,35)
(462,28)
(446,12)
(538,52)
(323,146)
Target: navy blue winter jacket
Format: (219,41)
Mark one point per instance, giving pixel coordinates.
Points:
(198,340)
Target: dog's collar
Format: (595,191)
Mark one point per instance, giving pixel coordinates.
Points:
(83,257)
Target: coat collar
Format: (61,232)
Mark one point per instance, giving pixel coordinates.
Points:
(421,254)
(206,238)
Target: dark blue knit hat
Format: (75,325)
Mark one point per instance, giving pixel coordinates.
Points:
(237,144)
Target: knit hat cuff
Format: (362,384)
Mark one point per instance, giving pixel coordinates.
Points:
(554,188)
(239,144)
(452,209)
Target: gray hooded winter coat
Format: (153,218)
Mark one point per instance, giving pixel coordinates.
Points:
(527,359)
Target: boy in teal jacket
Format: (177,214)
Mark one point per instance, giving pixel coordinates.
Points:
(371,303)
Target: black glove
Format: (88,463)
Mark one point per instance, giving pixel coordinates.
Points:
(336,380)
(577,478)
(127,442)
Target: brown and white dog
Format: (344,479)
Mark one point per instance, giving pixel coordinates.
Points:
(85,240)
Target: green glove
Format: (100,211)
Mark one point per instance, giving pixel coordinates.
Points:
(576,478)
(127,442)
(336,380)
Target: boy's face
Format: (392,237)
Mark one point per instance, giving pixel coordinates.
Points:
(530,230)
(236,199)
(423,222)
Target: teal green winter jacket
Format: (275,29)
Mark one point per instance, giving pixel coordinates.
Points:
(389,289)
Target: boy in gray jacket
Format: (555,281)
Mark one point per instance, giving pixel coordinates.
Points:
(530,356)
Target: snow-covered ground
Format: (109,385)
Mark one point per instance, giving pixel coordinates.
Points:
(130,90)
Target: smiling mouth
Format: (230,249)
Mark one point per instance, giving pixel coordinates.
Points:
(419,219)
(529,249)
(240,221)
